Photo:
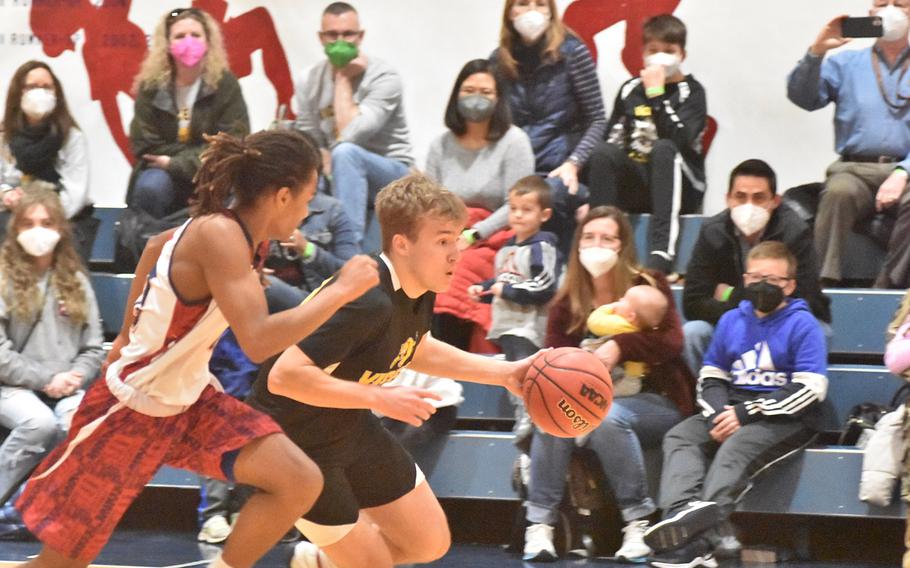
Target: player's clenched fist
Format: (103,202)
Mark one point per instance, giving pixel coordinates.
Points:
(358,275)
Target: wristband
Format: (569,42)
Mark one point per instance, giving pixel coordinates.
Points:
(309,250)
(470,236)
(727,293)
(901,170)
(655,91)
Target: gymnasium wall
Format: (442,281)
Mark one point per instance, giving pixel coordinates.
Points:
(741,50)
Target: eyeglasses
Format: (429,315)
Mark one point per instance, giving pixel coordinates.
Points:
(600,240)
(346,35)
(753,277)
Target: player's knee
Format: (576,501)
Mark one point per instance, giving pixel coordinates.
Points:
(433,546)
(305,480)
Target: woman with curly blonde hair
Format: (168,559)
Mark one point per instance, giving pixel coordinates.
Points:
(184,91)
(50,336)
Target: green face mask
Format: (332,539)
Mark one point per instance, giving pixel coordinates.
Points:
(340,52)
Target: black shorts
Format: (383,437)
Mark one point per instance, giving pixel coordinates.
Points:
(366,470)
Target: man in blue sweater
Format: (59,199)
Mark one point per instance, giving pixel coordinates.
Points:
(758,391)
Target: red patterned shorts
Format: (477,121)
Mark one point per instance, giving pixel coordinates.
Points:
(76,497)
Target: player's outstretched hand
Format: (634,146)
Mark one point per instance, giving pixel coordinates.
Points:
(358,275)
(406,404)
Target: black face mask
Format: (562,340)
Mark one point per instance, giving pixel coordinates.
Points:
(765,297)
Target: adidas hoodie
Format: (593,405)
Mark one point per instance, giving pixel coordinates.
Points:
(766,368)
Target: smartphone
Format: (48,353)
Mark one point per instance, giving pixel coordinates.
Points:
(870,26)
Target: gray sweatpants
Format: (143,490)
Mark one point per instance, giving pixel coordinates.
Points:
(698,468)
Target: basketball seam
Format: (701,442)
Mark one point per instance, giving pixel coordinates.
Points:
(544,404)
(570,395)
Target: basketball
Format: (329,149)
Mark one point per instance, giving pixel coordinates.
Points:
(567,392)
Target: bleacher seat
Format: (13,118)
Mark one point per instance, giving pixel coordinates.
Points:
(849,385)
(860,317)
(105,240)
(818,481)
(111,290)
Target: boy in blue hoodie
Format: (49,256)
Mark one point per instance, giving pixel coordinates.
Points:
(758,391)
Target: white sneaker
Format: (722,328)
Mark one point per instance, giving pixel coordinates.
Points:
(214,530)
(633,547)
(308,555)
(539,544)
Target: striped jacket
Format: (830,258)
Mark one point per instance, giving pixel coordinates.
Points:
(770,367)
(529,271)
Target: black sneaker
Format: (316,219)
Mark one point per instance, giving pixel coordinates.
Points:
(696,553)
(673,532)
(659,263)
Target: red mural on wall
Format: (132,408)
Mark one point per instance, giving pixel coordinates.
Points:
(590,17)
(247,33)
(114,48)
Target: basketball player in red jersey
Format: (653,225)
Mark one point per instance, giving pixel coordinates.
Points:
(377,509)
(158,403)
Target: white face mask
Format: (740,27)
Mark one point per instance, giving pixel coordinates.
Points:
(669,61)
(749,219)
(598,260)
(531,25)
(894,22)
(38,241)
(38,103)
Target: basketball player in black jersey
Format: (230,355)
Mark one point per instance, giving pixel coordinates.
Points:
(377,509)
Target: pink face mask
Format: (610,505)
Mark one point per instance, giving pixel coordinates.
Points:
(188,50)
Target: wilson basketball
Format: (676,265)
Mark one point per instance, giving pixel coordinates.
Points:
(567,392)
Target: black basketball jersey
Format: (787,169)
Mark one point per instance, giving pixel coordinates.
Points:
(368,340)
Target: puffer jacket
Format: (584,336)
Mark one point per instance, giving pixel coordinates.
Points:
(544,105)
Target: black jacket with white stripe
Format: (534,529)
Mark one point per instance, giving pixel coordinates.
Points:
(680,115)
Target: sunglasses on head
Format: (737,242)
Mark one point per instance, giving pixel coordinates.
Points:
(178,12)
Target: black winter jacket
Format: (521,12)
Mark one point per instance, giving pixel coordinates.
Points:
(717,258)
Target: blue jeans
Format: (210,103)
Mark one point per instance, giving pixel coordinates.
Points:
(155,193)
(634,422)
(280,296)
(357,176)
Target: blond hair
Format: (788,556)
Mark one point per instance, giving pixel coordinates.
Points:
(402,204)
(774,250)
(18,280)
(158,68)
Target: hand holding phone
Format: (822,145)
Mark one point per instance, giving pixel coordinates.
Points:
(830,37)
(870,26)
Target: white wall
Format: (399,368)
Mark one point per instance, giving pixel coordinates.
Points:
(741,50)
